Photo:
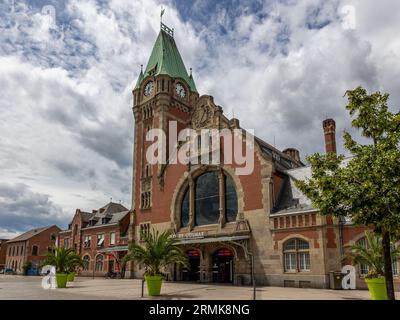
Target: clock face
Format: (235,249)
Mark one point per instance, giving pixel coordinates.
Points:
(180,90)
(148,89)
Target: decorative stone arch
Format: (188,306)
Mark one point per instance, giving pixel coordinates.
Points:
(184,183)
(293,236)
(356,238)
(88,260)
(221,245)
(193,247)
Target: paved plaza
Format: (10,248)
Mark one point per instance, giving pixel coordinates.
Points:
(19,287)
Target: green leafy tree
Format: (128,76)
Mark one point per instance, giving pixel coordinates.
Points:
(65,260)
(371,254)
(158,252)
(366,188)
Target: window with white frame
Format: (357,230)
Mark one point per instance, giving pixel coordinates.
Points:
(395,269)
(66,243)
(296,255)
(112,238)
(100,240)
(363,268)
(87,241)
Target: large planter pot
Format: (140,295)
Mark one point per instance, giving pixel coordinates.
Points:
(377,288)
(154,285)
(71,276)
(61,279)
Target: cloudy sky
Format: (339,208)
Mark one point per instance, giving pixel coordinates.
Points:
(67,69)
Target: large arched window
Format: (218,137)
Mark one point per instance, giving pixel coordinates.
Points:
(296,255)
(99,263)
(185,209)
(206,197)
(207,191)
(364,269)
(230,199)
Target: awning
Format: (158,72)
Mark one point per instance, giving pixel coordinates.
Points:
(212,239)
(114,249)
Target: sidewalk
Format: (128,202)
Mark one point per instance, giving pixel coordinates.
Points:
(19,287)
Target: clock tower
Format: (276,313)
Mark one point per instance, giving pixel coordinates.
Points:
(164,92)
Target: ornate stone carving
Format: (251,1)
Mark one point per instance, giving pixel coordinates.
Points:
(203,113)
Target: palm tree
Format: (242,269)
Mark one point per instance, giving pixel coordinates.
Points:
(63,259)
(371,255)
(157,253)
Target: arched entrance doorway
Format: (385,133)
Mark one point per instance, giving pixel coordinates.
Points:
(222,266)
(193,273)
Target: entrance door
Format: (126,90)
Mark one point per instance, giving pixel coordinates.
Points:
(193,273)
(223,266)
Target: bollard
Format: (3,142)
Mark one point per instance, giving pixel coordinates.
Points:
(143,280)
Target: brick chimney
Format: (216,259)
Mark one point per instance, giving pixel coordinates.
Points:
(329,126)
(293,153)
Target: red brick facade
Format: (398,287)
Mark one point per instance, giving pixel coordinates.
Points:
(30,247)
(290,242)
(86,239)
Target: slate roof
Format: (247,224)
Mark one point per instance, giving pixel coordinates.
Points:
(166,59)
(113,207)
(112,212)
(290,198)
(29,234)
(283,161)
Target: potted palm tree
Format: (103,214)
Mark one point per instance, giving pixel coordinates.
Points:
(64,260)
(371,255)
(156,254)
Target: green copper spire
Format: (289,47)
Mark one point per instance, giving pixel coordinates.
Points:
(166,59)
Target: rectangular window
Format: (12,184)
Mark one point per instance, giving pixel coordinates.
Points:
(364,269)
(290,262)
(100,240)
(394,268)
(144,230)
(87,241)
(66,243)
(304,261)
(145,200)
(112,238)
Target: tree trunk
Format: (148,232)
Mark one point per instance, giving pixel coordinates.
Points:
(388,265)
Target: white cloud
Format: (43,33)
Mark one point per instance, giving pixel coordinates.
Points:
(65,93)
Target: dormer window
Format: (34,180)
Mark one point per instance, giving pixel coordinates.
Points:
(105,220)
(153,70)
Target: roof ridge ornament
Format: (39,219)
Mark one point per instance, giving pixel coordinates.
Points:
(169,31)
